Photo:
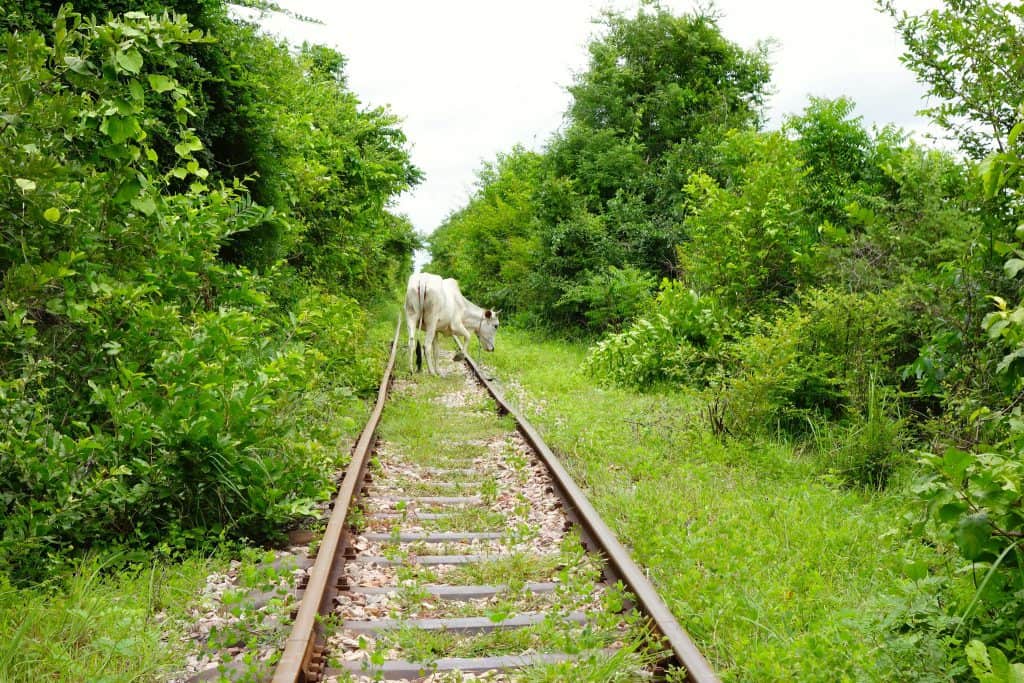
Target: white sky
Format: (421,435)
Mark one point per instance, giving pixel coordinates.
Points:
(471,78)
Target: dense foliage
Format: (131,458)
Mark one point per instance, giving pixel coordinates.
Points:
(177,326)
(603,202)
(845,289)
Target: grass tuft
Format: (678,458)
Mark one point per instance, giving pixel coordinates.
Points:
(96,625)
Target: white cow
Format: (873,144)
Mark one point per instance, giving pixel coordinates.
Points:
(433,304)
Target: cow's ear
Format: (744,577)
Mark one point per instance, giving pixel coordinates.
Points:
(487,313)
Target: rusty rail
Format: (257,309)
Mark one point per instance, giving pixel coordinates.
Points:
(597,535)
(302,659)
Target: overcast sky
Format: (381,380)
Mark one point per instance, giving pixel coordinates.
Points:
(471,78)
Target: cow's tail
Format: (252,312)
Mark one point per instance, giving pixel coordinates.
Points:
(419,356)
(421,292)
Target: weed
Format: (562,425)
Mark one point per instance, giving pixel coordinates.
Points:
(489,490)
(93,625)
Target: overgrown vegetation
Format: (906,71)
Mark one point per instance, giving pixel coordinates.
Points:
(186,247)
(100,625)
(779,570)
(845,290)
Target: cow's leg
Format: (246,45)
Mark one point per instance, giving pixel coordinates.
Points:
(461,336)
(461,353)
(429,337)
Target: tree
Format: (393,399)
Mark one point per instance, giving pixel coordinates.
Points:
(968,55)
(750,237)
(836,149)
(154,387)
(659,93)
(660,80)
(490,245)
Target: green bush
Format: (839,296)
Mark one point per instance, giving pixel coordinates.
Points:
(677,341)
(750,237)
(819,359)
(153,392)
(866,449)
(611,296)
(974,504)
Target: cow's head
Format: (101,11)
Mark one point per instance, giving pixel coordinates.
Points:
(487,330)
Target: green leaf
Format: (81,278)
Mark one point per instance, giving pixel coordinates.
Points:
(955,462)
(120,128)
(52,214)
(1013,266)
(161,83)
(1011,140)
(1000,665)
(145,205)
(977,656)
(916,571)
(1009,359)
(130,61)
(996,328)
(25,184)
(78,65)
(950,511)
(135,88)
(972,535)
(128,190)
(187,146)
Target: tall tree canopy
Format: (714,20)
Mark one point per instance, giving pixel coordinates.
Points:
(604,210)
(968,56)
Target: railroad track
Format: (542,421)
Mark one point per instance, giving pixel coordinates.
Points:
(458,548)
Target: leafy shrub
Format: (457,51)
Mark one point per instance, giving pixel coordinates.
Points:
(819,359)
(676,341)
(749,235)
(990,664)
(835,147)
(333,327)
(975,499)
(912,630)
(974,502)
(611,296)
(151,392)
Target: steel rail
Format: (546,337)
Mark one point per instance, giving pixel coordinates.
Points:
(621,564)
(302,659)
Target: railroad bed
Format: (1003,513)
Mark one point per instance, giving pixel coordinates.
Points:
(458,549)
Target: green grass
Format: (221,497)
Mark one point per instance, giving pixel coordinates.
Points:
(550,636)
(94,625)
(775,570)
(460,519)
(413,424)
